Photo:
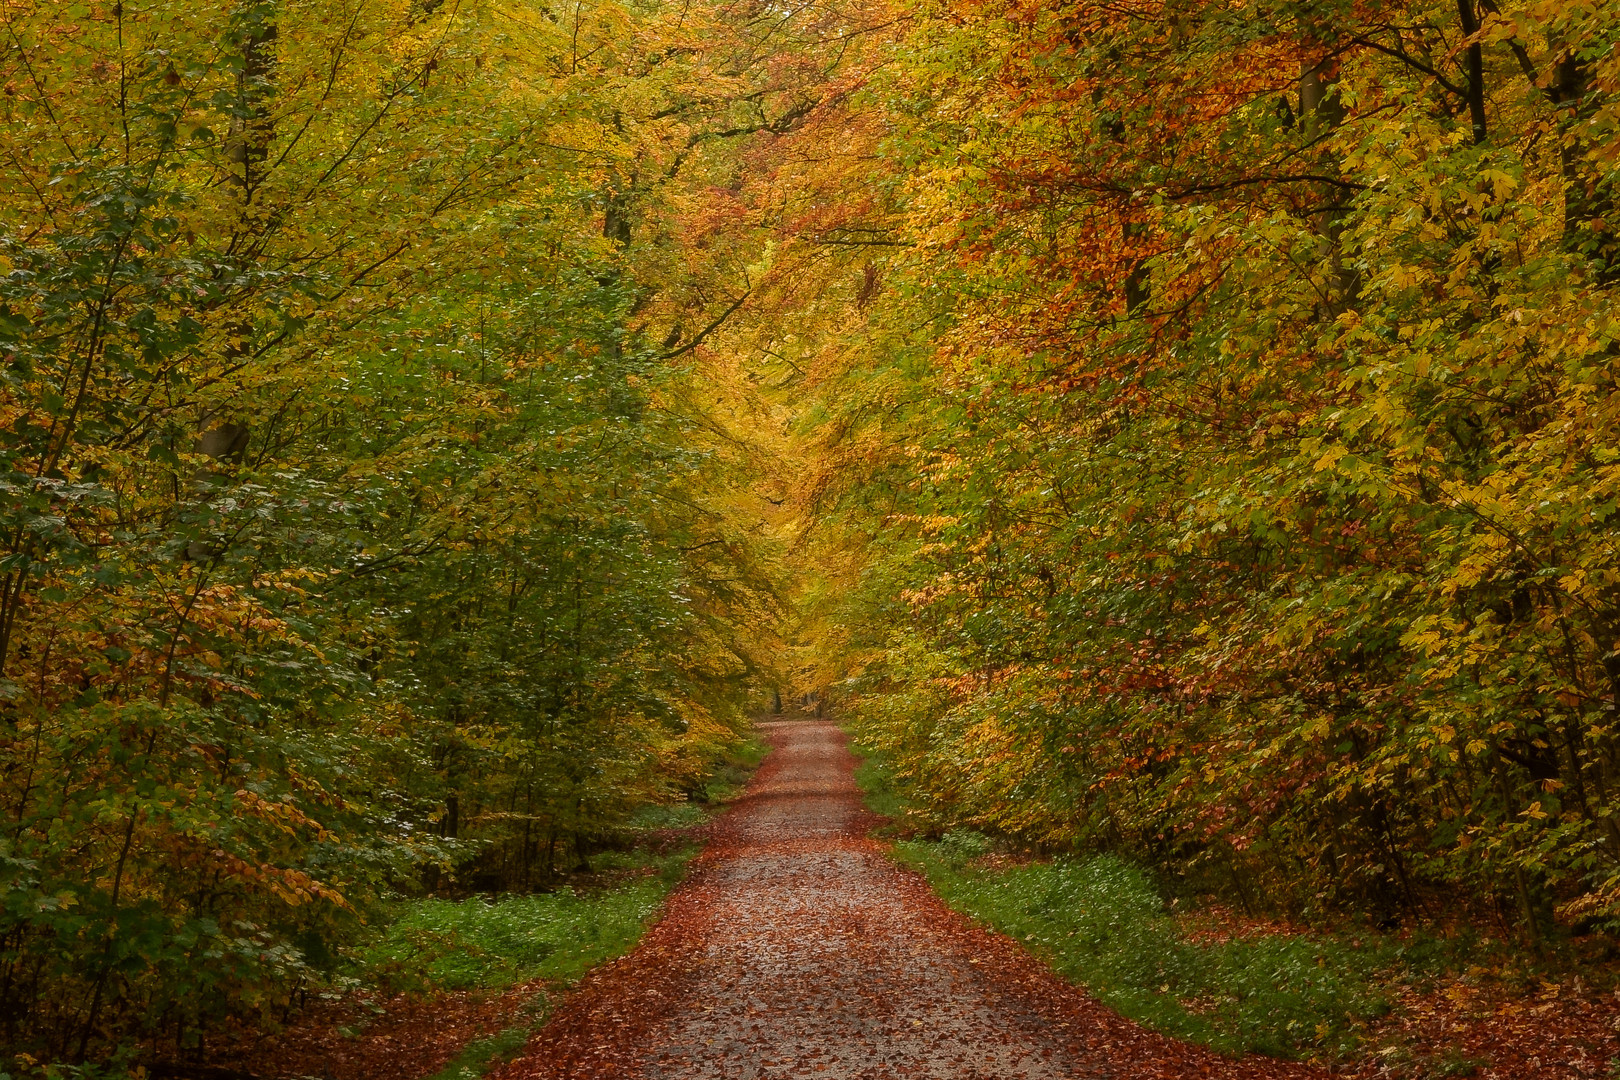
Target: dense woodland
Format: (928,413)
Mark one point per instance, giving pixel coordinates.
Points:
(433,427)
(1234,465)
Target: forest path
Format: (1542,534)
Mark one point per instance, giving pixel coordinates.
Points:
(797,948)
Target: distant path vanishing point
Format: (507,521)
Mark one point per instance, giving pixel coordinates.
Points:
(796,948)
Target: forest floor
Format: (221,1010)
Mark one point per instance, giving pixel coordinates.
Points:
(798,948)
(451,986)
(447,987)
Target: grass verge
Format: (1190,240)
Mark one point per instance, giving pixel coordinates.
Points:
(481,1055)
(494,943)
(1101,923)
(491,944)
(1104,925)
(729,779)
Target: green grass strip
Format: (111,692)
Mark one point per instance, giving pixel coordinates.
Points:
(1103,924)
(492,944)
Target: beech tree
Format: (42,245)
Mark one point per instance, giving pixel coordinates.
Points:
(358,534)
(1227,466)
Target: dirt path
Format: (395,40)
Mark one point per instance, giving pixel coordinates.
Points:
(798,949)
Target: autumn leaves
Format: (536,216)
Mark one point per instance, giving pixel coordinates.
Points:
(1245,502)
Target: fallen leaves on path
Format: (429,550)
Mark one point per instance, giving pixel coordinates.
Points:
(797,948)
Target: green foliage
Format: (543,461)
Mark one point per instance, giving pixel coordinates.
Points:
(358,537)
(1225,476)
(667,816)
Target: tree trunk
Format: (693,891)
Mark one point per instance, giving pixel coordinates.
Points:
(1589,200)
(252,127)
(224,443)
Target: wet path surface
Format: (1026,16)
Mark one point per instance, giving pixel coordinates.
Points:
(798,949)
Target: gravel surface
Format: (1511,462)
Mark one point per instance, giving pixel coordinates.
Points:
(798,949)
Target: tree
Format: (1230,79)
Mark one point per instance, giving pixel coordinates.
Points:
(356,529)
(1233,494)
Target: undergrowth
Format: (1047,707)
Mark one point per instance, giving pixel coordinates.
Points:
(731,776)
(492,943)
(873,780)
(1103,924)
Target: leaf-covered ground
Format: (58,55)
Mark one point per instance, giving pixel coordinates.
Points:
(798,948)
(1376,1006)
(404,1037)
(451,986)
(1394,1008)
